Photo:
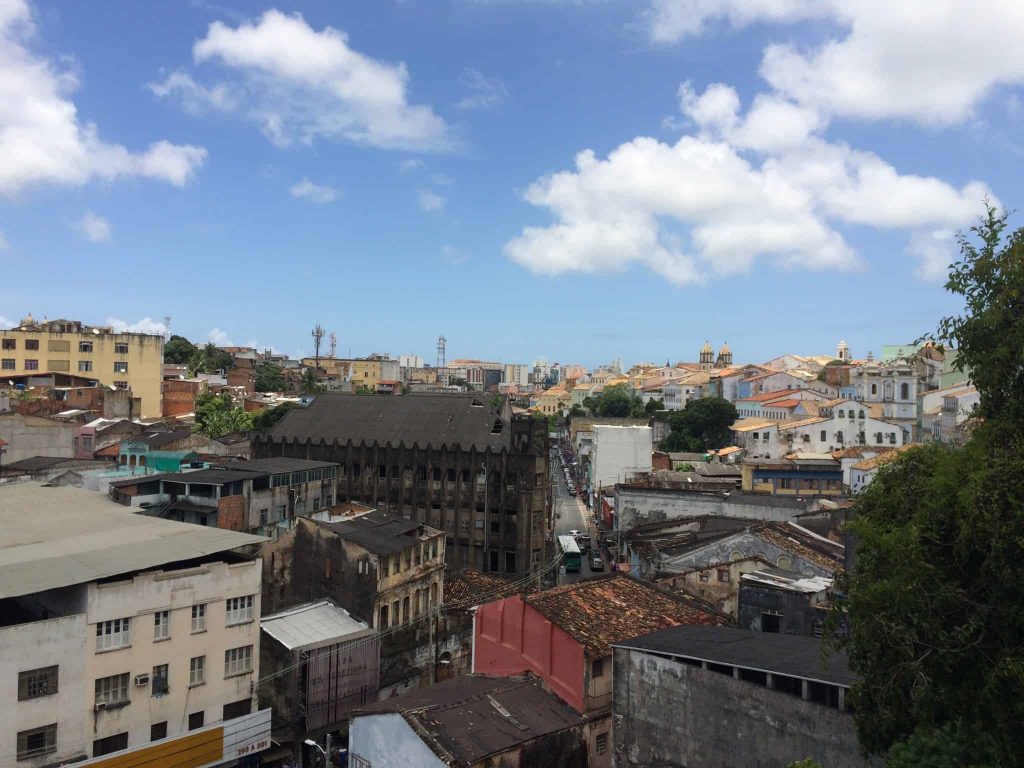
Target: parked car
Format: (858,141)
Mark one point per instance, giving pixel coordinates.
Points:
(596,563)
(584,542)
(572,491)
(574,533)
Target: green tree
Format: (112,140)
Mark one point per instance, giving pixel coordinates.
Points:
(935,601)
(268,417)
(653,406)
(270,378)
(217,359)
(577,411)
(216,416)
(588,405)
(308,382)
(178,350)
(618,400)
(702,425)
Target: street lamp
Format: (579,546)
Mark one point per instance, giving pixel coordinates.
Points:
(327,759)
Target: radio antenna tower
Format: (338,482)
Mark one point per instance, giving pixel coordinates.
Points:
(334,343)
(441,363)
(318,336)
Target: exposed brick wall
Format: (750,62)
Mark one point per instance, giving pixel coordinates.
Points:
(231,513)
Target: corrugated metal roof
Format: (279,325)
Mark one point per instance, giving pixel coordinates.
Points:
(57,537)
(312,624)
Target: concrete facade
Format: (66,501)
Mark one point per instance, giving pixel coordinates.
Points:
(29,436)
(619,452)
(672,714)
(637,505)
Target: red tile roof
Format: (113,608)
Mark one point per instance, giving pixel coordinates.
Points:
(609,609)
(771,395)
(472,587)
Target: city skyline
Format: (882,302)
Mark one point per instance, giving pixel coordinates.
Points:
(638,178)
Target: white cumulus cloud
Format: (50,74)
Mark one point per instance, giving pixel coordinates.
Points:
(6,323)
(315,193)
(145,325)
(219,337)
(301,84)
(929,62)
(430,201)
(744,186)
(94,228)
(42,138)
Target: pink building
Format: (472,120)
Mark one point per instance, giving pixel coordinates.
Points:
(564,636)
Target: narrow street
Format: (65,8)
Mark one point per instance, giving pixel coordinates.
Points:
(570,514)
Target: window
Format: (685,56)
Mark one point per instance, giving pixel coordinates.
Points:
(264,516)
(121,347)
(162,625)
(114,743)
(433,594)
(874,389)
(433,549)
(405,608)
(904,391)
(36,742)
(120,384)
(237,709)
(723,574)
(396,617)
(238,661)
(10,344)
(120,366)
(85,346)
(113,634)
(824,436)
(239,610)
(842,413)
(197,670)
(704,576)
(195,720)
(601,743)
(31,365)
(281,510)
(31,343)
(384,563)
(112,690)
(8,364)
(382,622)
(84,366)
(771,622)
(37,682)
(158,731)
(786,483)
(597,667)
(159,681)
(892,438)
(199,618)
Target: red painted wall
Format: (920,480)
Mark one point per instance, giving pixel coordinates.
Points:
(511,637)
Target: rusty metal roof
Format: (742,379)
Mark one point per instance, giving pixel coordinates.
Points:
(608,609)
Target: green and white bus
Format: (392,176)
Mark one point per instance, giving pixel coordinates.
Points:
(570,553)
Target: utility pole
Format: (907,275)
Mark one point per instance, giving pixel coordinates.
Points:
(318,336)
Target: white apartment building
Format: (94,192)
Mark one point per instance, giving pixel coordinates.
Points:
(120,630)
(618,452)
(849,423)
(517,374)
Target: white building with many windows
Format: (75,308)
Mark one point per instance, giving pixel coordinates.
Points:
(119,630)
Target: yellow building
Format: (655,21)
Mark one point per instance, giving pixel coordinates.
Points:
(124,360)
(554,400)
(362,372)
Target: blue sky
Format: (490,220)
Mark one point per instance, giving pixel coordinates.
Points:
(392,179)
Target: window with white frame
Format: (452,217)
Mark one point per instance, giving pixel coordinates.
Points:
(238,661)
(112,690)
(161,625)
(239,610)
(116,633)
(197,670)
(199,618)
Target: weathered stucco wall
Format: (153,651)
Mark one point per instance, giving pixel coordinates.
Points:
(639,506)
(672,715)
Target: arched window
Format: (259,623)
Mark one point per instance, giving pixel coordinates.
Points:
(904,391)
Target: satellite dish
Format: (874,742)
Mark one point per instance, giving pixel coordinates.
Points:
(112,388)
